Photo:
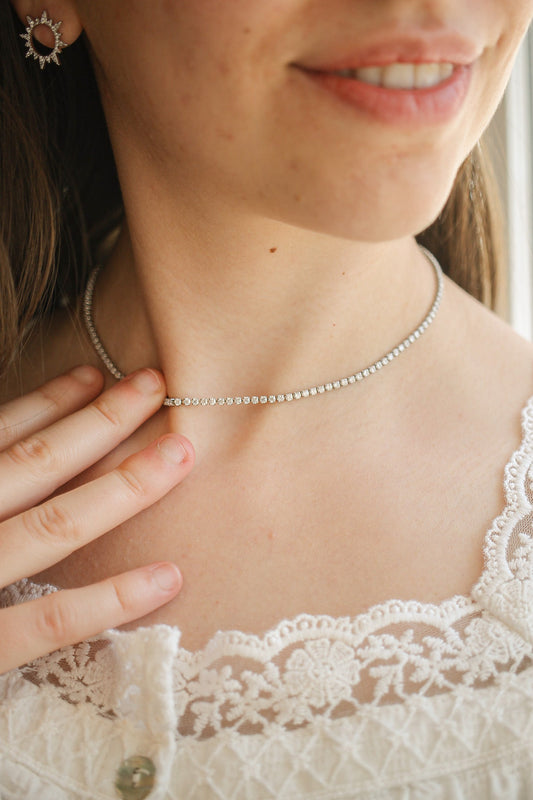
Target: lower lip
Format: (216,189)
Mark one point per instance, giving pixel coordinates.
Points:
(432,106)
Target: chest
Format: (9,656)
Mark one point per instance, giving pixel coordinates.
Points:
(319,530)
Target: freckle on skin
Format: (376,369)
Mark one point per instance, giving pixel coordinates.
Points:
(273,249)
(229,137)
(223,67)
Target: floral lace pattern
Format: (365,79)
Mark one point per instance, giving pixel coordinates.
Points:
(79,674)
(319,666)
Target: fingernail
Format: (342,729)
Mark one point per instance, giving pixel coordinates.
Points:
(146,381)
(85,374)
(172,450)
(167,577)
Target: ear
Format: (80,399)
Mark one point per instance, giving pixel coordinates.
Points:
(58,10)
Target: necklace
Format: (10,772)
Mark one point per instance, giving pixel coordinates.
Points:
(288,397)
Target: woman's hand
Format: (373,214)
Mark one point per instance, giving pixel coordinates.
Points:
(46,438)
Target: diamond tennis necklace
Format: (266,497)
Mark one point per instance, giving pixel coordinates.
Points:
(286,397)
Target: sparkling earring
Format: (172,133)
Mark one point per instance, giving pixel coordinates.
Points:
(28,37)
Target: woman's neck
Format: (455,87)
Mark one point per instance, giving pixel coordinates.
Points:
(231,304)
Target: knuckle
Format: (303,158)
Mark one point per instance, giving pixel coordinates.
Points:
(131,482)
(52,393)
(8,431)
(55,620)
(51,401)
(51,522)
(33,453)
(105,412)
(122,599)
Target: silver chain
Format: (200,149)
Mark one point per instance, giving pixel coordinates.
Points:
(287,397)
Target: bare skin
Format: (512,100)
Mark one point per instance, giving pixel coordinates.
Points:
(385,491)
(244,279)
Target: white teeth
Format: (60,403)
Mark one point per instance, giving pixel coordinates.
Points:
(371,75)
(428,75)
(401,76)
(398,76)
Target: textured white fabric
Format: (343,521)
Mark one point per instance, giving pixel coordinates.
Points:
(409,701)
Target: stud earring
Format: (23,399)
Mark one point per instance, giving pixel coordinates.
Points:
(28,37)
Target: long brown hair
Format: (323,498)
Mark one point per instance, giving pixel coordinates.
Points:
(60,196)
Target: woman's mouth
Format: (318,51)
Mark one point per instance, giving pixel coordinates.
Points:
(406,94)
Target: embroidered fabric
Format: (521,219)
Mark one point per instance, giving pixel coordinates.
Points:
(376,695)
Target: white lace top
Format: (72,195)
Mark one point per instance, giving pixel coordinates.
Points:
(409,701)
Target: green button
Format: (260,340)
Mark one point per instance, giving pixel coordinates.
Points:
(135,778)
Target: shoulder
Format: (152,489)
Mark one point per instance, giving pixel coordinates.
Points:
(498,359)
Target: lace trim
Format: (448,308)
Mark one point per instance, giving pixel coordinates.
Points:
(319,666)
(506,584)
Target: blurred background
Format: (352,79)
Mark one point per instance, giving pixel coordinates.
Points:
(510,143)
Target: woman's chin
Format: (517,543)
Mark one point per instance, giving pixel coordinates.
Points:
(374,225)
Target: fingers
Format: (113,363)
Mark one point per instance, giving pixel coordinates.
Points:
(33,467)
(48,403)
(40,626)
(46,438)
(44,535)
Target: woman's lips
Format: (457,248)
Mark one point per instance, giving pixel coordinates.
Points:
(432,105)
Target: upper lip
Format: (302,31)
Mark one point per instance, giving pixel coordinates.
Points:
(425,47)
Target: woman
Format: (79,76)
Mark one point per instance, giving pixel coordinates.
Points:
(275,161)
